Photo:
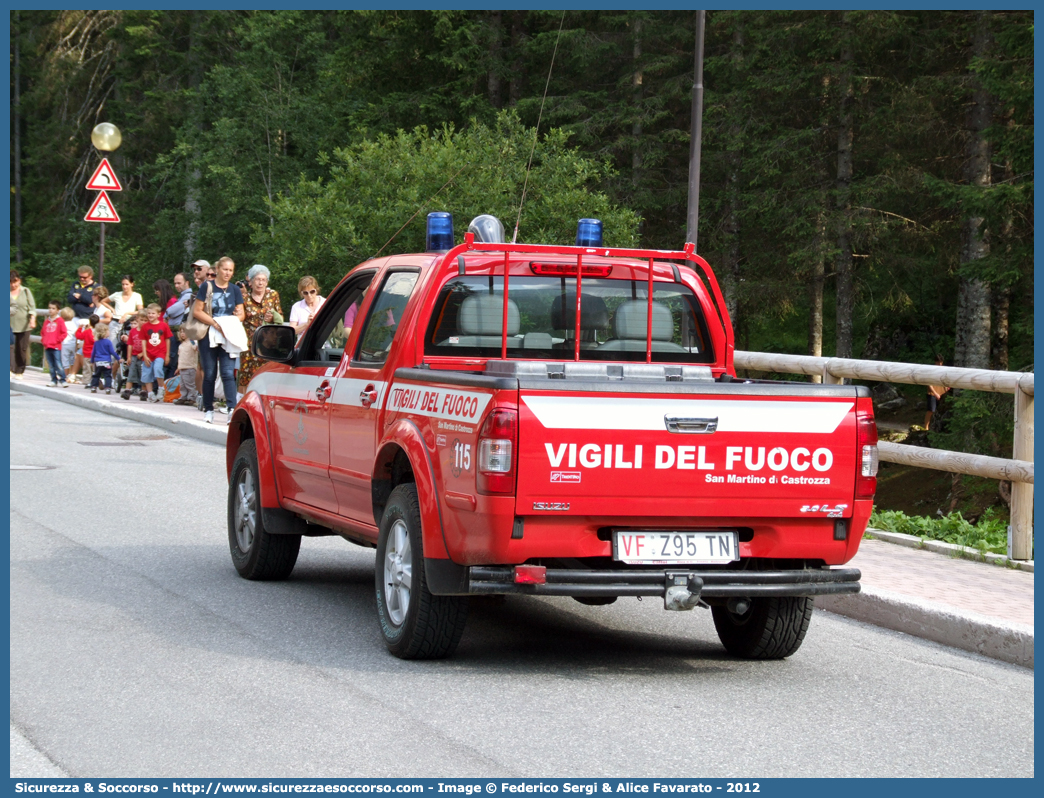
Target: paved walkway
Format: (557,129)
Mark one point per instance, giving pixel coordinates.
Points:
(992,590)
(39,378)
(976,606)
(166,415)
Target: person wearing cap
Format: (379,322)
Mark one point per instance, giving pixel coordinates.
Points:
(260,306)
(201,270)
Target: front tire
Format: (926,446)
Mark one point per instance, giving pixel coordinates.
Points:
(772,628)
(255,553)
(415,624)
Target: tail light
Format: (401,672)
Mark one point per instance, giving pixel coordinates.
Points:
(569,270)
(866,449)
(496,452)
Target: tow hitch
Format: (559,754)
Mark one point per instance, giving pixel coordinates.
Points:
(682,591)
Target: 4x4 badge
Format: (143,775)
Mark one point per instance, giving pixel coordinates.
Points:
(836,511)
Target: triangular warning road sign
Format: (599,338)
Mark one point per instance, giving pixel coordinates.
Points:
(102,210)
(104,178)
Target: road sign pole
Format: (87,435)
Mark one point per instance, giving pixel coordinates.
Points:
(101,256)
(106,138)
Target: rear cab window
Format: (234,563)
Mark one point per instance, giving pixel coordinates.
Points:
(468,318)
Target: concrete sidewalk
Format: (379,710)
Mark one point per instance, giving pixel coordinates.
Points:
(975,606)
(170,417)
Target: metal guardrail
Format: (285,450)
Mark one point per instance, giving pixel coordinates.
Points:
(1019,469)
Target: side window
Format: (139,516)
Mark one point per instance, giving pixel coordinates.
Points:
(385,315)
(329,334)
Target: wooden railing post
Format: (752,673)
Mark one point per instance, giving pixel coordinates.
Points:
(1020,533)
(1019,470)
(830,379)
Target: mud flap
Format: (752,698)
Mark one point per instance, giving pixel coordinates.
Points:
(446,578)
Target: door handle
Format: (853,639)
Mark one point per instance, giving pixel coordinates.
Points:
(368,395)
(322,393)
(691,425)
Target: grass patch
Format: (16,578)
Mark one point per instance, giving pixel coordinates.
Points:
(990,534)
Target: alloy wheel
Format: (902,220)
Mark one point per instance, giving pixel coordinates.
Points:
(245,510)
(398,571)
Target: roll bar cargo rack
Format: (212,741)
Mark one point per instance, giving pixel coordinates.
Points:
(687,256)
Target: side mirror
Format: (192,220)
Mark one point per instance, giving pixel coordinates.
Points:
(274,342)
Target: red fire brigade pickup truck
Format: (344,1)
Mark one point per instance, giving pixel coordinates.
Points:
(548,420)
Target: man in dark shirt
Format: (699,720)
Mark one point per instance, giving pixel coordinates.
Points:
(80,299)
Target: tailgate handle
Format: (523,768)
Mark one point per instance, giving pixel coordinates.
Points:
(691,425)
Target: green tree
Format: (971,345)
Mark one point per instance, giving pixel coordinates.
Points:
(325,226)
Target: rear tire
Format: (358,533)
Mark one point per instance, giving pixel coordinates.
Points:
(772,628)
(415,624)
(255,553)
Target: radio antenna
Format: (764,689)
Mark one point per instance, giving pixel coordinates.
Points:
(536,130)
(425,204)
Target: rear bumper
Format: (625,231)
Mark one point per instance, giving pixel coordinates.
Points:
(716,583)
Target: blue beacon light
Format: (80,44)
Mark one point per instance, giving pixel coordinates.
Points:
(439,236)
(589,233)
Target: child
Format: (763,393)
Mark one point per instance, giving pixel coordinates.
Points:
(133,361)
(187,356)
(52,334)
(101,307)
(85,335)
(69,344)
(103,355)
(155,351)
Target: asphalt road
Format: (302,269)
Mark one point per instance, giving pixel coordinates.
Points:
(136,650)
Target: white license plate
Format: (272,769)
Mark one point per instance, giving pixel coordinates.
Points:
(675,547)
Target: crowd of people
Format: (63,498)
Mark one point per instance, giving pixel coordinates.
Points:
(196,331)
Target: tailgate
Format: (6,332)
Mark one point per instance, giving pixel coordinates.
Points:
(725,451)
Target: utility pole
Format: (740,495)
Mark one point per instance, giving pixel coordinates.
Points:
(18,134)
(693,219)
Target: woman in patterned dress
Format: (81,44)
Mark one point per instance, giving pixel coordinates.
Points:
(261,305)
